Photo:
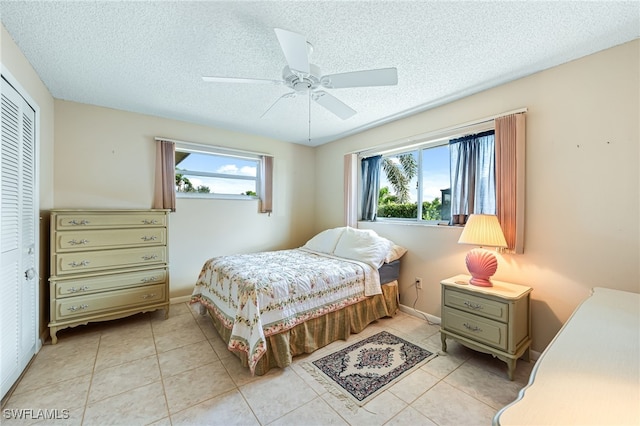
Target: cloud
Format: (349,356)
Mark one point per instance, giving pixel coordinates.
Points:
(233,169)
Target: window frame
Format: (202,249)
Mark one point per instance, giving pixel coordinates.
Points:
(420,198)
(418,143)
(220,152)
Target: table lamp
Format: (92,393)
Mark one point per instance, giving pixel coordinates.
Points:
(482,230)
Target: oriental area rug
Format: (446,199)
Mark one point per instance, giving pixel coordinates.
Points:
(364,369)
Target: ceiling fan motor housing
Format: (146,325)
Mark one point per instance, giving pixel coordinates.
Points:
(301,82)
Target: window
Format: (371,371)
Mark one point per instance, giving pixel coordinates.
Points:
(414,185)
(215,173)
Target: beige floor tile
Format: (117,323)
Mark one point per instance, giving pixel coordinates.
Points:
(47,370)
(227,409)
(491,386)
(277,393)
(67,394)
(314,413)
(445,362)
(124,377)
(378,411)
(239,374)
(175,332)
(179,309)
(139,406)
(125,350)
(197,385)
(415,328)
(220,347)
(415,384)
(184,358)
(410,416)
(446,405)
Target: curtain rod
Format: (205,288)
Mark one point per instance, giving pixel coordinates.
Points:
(221,148)
(423,137)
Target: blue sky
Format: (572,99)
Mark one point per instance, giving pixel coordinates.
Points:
(435,174)
(221,164)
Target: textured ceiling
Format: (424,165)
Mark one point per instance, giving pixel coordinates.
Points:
(149,56)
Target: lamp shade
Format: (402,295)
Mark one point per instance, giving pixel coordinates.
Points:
(483,230)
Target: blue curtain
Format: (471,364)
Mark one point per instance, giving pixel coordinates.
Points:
(473,180)
(370,186)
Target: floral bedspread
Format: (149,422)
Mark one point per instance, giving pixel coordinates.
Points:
(260,294)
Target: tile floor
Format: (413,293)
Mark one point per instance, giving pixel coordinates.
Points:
(145,370)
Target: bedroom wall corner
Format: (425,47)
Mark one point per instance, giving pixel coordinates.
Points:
(582,178)
(105,159)
(18,66)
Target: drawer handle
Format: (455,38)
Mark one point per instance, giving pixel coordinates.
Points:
(148,296)
(81,242)
(76,223)
(76,290)
(77,308)
(150,257)
(472,305)
(150,221)
(75,264)
(149,279)
(147,238)
(474,328)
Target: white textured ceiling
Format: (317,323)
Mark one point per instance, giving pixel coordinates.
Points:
(149,56)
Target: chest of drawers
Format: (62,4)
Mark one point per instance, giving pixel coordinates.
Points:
(107,264)
(494,320)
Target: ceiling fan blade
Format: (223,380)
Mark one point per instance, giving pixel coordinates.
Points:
(294,47)
(333,104)
(240,80)
(285,96)
(366,78)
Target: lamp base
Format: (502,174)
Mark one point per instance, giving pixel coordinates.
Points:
(482,264)
(480,282)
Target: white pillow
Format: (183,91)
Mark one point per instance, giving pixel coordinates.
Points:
(363,245)
(325,241)
(395,253)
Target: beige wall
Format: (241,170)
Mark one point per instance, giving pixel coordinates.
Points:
(582,183)
(104,158)
(582,196)
(20,69)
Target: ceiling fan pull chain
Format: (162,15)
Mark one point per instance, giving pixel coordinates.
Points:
(309,116)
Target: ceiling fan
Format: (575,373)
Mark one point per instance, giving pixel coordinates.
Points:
(304,77)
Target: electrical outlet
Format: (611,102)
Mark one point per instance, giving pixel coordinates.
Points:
(419,283)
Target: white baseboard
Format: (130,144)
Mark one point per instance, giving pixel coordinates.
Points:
(179,299)
(419,314)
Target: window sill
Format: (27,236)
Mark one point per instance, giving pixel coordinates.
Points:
(195,195)
(431,224)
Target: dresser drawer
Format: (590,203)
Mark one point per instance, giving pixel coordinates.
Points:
(474,327)
(90,285)
(112,238)
(91,220)
(113,300)
(491,309)
(90,261)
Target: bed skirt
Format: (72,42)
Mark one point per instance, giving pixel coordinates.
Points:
(318,332)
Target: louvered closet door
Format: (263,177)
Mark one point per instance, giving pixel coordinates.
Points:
(18,279)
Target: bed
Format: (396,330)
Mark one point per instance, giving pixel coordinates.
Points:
(589,374)
(271,306)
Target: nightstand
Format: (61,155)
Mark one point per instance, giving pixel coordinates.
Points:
(494,320)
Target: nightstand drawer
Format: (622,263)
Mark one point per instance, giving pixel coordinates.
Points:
(479,329)
(114,300)
(491,309)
